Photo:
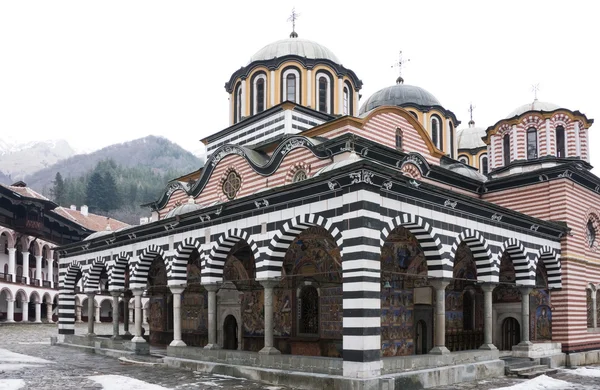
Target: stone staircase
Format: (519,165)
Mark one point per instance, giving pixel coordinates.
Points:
(526,367)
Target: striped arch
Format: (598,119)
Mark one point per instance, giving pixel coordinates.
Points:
(551,260)
(488,269)
(66,298)
(430,243)
(271,263)
(116,273)
(139,270)
(524,268)
(214,262)
(177,272)
(91,278)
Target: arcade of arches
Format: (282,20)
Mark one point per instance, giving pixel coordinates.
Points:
(307,302)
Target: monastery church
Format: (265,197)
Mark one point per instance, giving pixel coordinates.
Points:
(373,235)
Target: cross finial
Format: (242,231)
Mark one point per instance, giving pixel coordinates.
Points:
(471,109)
(535,88)
(293,17)
(400,64)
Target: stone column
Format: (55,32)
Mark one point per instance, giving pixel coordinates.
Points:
(90,312)
(78,310)
(97,315)
(26,266)
(488,342)
(49,312)
(25,309)
(269,348)
(144,316)
(177,291)
(115,314)
(38,269)
(525,291)
(12,260)
(212,316)
(137,293)
(131,312)
(10,310)
(440,316)
(38,312)
(50,272)
(126,315)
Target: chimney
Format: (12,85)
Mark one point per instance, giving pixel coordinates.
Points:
(84,210)
(73,207)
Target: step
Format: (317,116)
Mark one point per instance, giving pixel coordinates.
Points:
(519,370)
(533,374)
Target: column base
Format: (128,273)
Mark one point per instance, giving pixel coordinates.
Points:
(9,321)
(79,322)
(127,333)
(212,346)
(177,343)
(37,322)
(439,351)
(138,339)
(488,347)
(117,337)
(90,335)
(269,351)
(97,322)
(525,344)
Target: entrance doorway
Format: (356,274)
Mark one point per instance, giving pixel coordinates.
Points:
(230,331)
(421,345)
(511,333)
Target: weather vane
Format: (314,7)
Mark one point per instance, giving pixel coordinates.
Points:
(535,88)
(293,17)
(471,109)
(400,64)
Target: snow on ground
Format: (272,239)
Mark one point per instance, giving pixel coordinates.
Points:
(7,356)
(16,366)
(585,371)
(11,384)
(542,382)
(119,382)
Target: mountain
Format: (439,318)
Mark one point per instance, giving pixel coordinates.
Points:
(20,160)
(5,179)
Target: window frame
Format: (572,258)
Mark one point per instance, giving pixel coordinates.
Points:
(487,162)
(437,130)
(506,148)
(561,129)
(532,142)
(238,96)
(227,182)
(328,92)
(399,139)
(291,70)
(259,80)
(301,330)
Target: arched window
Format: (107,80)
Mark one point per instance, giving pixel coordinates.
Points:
(506,149)
(463,159)
(414,114)
(399,135)
(591,233)
(291,87)
(483,164)
(232,185)
(451,130)
(532,143)
(299,176)
(309,311)
(590,307)
(238,104)
(436,132)
(323,93)
(259,96)
(346,101)
(560,142)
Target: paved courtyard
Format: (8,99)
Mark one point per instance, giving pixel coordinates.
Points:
(27,361)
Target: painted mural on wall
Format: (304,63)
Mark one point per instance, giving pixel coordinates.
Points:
(506,291)
(403,268)
(464,300)
(540,316)
(331,313)
(253,313)
(282,312)
(194,312)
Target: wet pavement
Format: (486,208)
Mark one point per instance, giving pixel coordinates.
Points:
(28,361)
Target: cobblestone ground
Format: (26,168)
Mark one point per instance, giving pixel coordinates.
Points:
(70,368)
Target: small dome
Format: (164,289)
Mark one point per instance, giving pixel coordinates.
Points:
(536,105)
(328,168)
(183,209)
(471,138)
(462,169)
(399,95)
(294,46)
(98,234)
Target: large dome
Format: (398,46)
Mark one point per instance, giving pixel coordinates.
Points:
(399,95)
(536,105)
(294,46)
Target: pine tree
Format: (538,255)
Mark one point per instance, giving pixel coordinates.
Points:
(112,199)
(58,189)
(95,192)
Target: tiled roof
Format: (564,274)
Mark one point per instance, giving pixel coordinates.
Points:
(90,221)
(25,192)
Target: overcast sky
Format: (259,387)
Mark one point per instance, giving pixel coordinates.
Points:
(97,73)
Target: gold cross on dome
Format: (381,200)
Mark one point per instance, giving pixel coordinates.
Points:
(293,17)
(400,65)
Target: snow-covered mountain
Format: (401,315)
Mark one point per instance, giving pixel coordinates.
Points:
(18,160)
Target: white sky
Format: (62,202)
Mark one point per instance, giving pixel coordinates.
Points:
(97,73)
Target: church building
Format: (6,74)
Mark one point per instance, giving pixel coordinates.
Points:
(371,235)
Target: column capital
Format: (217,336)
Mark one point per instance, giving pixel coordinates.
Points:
(525,290)
(177,289)
(269,283)
(138,292)
(90,295)
(211,287)
(12,250)
(440,284)
(488,286)
(116,293)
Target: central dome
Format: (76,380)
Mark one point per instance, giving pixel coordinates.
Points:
(399,95)
(471,138)
(294,46)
